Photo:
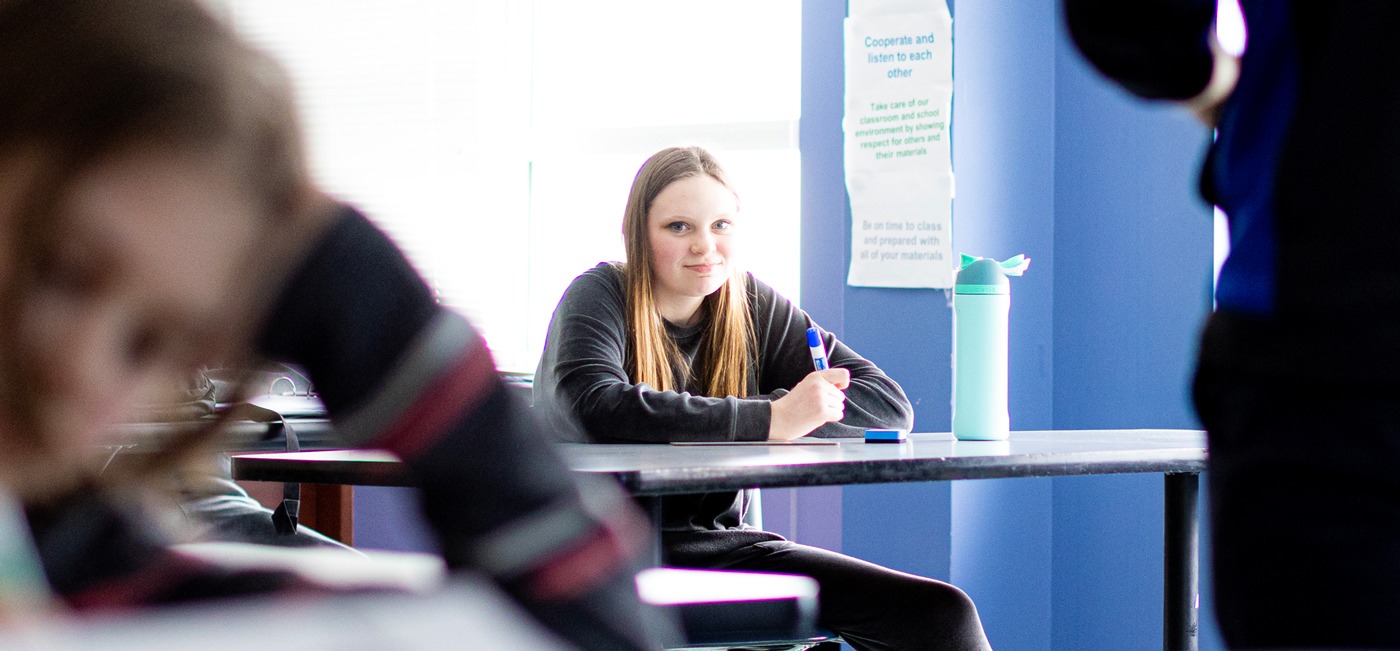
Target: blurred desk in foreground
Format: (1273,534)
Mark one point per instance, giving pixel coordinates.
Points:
(467,608)
(1180,455)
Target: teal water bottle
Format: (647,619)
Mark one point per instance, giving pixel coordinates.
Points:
(24,591)
(981,308)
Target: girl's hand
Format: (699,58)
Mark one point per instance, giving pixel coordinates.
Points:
(816,400)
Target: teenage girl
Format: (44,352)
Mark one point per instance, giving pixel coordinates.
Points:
(678,344)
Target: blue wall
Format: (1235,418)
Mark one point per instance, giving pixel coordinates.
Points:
(1098,190)
(1133,272)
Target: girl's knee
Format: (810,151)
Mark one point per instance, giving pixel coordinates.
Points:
(950,598)
(960,627)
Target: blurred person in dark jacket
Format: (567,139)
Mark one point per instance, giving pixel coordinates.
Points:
(1296,380)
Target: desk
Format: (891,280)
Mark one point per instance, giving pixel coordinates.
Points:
(466,608)
(237,436)
(326,508)
(1180,455)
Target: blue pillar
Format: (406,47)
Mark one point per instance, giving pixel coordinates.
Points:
(1004,154)
(1099,190)
(1132,277)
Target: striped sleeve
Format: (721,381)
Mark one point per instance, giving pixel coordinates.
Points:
(445,372)
(397,371)
(101,554)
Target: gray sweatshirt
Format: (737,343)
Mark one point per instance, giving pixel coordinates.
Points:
(582,386)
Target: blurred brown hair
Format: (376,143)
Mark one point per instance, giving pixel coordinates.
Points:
(84,81)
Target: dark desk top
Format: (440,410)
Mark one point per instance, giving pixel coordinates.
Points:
(239,436)
(305,414)
(663,469)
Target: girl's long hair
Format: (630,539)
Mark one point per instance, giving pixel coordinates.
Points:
(722,366)
(83,82)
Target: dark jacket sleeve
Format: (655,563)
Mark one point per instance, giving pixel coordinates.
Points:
(582,379)
(873,400)
(399,372)
(1157,49)
(101,553)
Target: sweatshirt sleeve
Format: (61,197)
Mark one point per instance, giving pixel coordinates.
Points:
(582,375)
(873,400)
(1156,49)
(582,379)
(397,371)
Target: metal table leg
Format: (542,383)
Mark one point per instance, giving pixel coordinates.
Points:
(1181,583)
(651,505)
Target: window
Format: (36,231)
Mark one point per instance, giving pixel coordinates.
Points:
(1231,32)
(496,140)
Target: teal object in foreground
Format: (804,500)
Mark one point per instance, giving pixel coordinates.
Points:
(981,310)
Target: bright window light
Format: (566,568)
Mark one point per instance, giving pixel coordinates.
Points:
(1229,27)
(496,141)
(1233,36)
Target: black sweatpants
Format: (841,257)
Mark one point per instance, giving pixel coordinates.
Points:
(873,608)
(1304,481)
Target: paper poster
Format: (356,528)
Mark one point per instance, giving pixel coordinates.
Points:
(873,7)
(899,90)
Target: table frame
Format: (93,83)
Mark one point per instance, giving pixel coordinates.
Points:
(656,470)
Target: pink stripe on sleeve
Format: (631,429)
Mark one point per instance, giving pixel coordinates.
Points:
(463,386)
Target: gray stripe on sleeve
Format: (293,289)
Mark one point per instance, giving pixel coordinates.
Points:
(529,540)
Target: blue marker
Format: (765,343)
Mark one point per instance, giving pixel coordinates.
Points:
(814,344)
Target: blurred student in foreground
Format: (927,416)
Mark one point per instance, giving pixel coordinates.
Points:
(155,213)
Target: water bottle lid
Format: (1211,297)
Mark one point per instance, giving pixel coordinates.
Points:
(987,276)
